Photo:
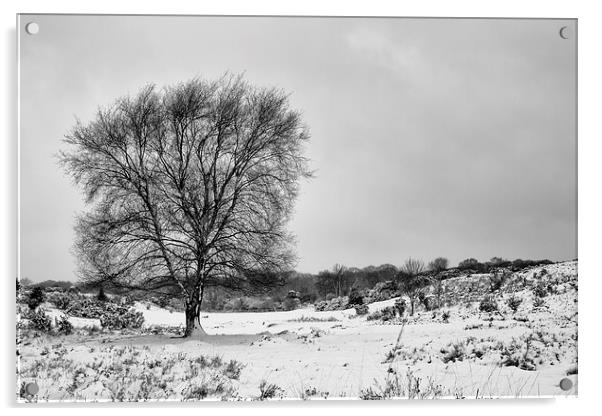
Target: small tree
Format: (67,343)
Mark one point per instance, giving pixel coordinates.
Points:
(470,263)
(411,282)
(438,265)
(36,298)
(496,261)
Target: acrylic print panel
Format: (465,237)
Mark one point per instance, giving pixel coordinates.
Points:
(266,208)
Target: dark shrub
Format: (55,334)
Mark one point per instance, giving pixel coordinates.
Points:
(514,302)
(488,304)
(538,302)
(355,297)
(400,306)
(39,320)
(456,352)
(445,316)
(233,369)
(361,309)
(237,304)
(121,318)
(335,304)
(497,280)
(428,301)
(438,265)
(63,326)
(59,299)
(111,315)
(382,291)
(386,314)
(308,297)
(540,290)
(268,390)
(290,304)
(36,298)
(468,264)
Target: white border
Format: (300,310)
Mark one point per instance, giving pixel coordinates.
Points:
(590,25)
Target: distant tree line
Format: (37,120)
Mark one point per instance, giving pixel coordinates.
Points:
(410,278)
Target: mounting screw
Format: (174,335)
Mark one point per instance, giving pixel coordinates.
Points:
(32,389)
(32,28)
(566,384)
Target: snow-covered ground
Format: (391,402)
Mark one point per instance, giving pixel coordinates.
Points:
(338,354)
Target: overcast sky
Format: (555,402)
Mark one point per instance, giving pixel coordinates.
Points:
(430,138)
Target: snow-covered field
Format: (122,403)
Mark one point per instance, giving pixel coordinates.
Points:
(333,354)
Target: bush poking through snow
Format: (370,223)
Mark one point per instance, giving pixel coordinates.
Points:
(445,316)
(233,369)
(488,304)
(395,386)
(268,390)
(453,352)
(39,320)
(513,302)
(361,310)
(497,280)
(538,302)
(335,304)
(518,354)
(111,315)
(387,314)
(60,300)
(63,326)
(355,297)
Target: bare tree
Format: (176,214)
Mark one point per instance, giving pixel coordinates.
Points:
(437,266)
(339,275)
(192,188)
(411,282)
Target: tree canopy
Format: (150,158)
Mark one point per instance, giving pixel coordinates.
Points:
(191,187)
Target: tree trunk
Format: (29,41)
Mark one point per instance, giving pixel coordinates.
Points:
(193,322)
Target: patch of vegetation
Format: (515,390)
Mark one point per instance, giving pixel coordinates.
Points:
(39,320)
(445,316)
(514,302)
(497,280)
(233,369)
(334,304)
(36,297)
(111,315)
(60,300)
(518,354)
(127,373)
(453,352)
(488,304)
(390,313)
(268,390)
(355,297)
(538,302)
(361,310)
(63,326)
(314,319)
(399,386)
